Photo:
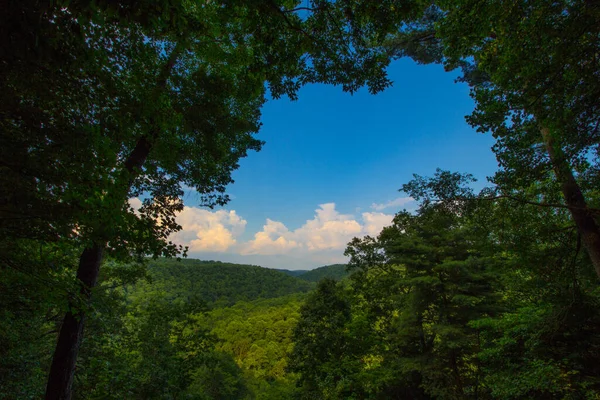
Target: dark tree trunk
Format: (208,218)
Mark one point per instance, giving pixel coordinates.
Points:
(62,369)
(585,222)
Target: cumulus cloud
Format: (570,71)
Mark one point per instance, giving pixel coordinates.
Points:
(373,223)
(320,240)
(204,230)
(325,236)
(328,229)
(273,239)
(396,203)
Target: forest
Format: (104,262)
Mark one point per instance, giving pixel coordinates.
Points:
(487,293)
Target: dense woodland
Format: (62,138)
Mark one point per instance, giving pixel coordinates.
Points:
(476,295)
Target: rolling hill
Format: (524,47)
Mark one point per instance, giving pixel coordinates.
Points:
(218,282)
(334,271)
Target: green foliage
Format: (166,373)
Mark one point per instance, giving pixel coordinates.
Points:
(466,298)
(139,348)
(336,272)
(217,283)
(322,352)
(529,82)
(219,378)
(258,335)
(482,296)
(429,284)
(295,272)
(35,280)
(151,347)
(158,341)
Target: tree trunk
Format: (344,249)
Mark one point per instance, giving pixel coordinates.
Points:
(585,222)
(62,369)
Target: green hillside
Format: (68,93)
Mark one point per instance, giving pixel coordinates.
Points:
(258,336)
(335,271)
(290,272)
(122,128)
(219,283)
(158,339)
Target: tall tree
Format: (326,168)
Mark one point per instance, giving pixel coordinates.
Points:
(428,283)
(533,68)
(321,346)
(543,341)
(541,103)
(108,100)
(533,71)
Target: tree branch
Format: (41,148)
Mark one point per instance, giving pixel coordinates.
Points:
(533,203)
(300,9)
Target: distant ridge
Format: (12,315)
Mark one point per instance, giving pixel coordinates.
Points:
(220,283)
(334,271)
(296,273)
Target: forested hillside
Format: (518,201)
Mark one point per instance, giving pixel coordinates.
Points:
(258,335)
(122,124)
(296,272)
(152,345)
(220,283)
(336,272)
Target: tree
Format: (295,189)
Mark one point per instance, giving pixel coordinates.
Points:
(110,100)
(425,280)
(258,335)
(541,103)
(542,341)
(321,346)
(532,69)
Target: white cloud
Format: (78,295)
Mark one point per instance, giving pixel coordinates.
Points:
(321,240)
(397,203)
(324,237)
(375,222)
(273,239)
(204,230)
(328,229)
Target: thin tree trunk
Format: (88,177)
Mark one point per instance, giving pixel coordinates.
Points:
(585,222)
(62,369)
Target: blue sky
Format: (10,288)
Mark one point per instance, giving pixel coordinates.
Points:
(350,153)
